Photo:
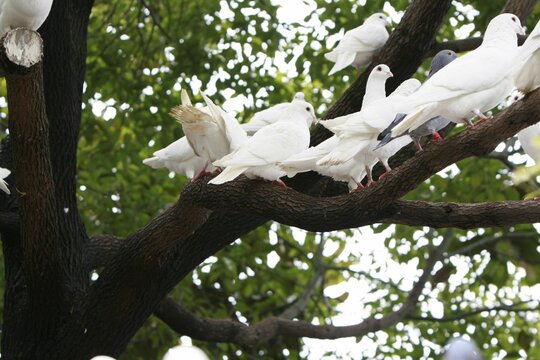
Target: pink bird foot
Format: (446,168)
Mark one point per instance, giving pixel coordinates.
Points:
(281,184)
(437,137)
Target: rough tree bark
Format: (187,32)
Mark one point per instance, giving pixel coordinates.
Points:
(48,259)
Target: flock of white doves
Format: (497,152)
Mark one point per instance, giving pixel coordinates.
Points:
(275,142)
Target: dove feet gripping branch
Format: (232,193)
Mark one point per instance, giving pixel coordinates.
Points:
(481,116)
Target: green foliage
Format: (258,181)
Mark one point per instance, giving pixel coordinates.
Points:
(140,54)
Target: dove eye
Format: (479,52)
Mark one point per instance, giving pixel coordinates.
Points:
(379,68)
(449,53)
(513,19)
(307,109)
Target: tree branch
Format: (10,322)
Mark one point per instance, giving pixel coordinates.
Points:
(259,334)
(373,204)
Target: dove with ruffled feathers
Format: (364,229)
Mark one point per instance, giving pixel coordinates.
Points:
(260,155)
(30,14)
(473,83)
(358,45)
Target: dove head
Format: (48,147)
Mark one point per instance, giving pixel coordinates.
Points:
(381,71)
(378,18)
(305,111)
(443,58)
(503,27)
(299,96)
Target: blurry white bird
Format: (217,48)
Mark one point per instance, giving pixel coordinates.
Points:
(271,115)
(358,45)
(23,13)
(527,74)
(461,349)
(4,173)
(529,139)
(352,171)
(183,352)
(259,156)
(472,84)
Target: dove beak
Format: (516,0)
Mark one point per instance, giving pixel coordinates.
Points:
(521,31)
(390,74)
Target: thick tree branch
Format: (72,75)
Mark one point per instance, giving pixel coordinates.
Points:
(9,221)
(373,204)
(33,171)
(464,216)
(184,322)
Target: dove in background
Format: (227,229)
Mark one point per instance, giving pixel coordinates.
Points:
(4,173)
(527,73)
(470,85)
(462,349)
(440,60)
(23,13)
(259,155)
(353,171)
(529,139)
(358,45)
(271,115)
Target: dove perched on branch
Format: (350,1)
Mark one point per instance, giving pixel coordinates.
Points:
(462,349)
(473,83)
(358,45)
(352,171)
(30,14)
(271,115)
(259,155)
(440,60)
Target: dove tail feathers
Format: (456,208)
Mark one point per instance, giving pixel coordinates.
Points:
(342,60)
(414,120)
(154,162)
(4,187)
(186,114)
(228,174)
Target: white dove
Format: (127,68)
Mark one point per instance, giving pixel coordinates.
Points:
(23,13)
(361,130)
(4,173)
(271,115)
(211,134)
(259,155)
(529,138)
(354,170)
(180,158)
(527,74)
(358,45)
(471,84)
(180,155)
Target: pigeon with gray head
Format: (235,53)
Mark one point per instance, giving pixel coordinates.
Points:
(358,45)
(432,127)
(30,14)
(471,84)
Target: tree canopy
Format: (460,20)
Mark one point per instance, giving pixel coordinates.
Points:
(444,246)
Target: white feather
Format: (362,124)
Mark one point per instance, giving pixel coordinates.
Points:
(23,13)
(529,139)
